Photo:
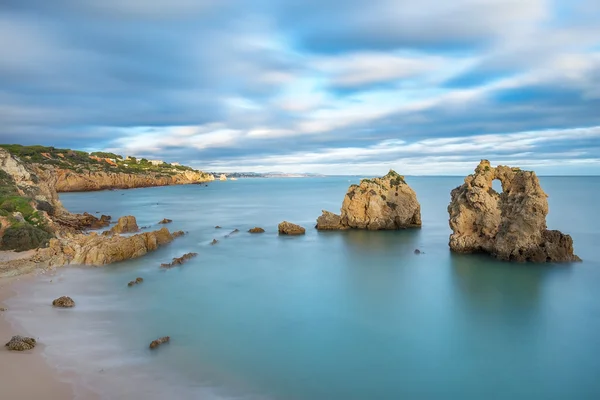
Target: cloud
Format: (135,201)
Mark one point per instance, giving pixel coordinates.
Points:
(332,87)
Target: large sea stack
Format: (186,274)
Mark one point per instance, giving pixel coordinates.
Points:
(510,225)
(380,203)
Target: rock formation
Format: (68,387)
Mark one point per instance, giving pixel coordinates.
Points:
(287,228)
(21,343)
(380,203)
(510,226)
(166,221)
(137,281)
(64,302)
(94,249)
(159,341)
(127,224)
(179,260)
(223,177)
(214,241)
(256,229)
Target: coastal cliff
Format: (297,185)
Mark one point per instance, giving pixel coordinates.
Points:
(376,204)
(510,225)
(31,214)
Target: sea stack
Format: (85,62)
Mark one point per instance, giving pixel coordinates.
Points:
(510,225)
(376,204)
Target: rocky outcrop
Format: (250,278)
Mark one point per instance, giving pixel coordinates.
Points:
(510,226)
(256,229)
(223,177)
(179,260)
(166,221)
(155,343)
(287,228)
(138,280)
(94,249)
(21,343)
(64,302)
(329,221)
(380,203)
(127,224)
(72,181)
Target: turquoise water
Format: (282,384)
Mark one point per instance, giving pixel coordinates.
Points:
(329,315)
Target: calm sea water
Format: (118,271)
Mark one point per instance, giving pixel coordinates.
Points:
(334,315)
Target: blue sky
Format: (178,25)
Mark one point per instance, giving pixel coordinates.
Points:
(338,87)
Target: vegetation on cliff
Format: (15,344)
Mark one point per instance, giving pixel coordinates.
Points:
(81,161)
(23,226)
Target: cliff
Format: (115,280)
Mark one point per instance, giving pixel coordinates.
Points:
(76,171)
(31,213)
(376,204)
(510,226)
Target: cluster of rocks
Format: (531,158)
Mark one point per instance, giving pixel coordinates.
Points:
(137,281)
(179,260)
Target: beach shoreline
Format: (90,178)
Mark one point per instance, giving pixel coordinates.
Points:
(28,375)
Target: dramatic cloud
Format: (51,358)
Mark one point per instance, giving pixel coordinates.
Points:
(353,86)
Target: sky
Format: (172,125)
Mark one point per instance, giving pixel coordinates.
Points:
(425,87)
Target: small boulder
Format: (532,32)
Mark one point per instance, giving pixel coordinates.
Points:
(214,241)
(287,228)
(63,302)
(21,343)
(329,221)
(166,221)
(256,230)
(2,309)
(217,227)
(131,283)
(139,280)
(159,341)
(417,251)
(178,233)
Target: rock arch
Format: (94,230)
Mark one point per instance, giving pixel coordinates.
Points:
(510,225)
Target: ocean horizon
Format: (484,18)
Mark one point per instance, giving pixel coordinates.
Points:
(328,315)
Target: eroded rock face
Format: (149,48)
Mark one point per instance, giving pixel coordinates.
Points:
(127,224)
(511,225)
(64,302)
(380,203)
(94,249)
(287,228)
(21,343)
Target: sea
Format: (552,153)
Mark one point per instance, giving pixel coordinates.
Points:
(324,316)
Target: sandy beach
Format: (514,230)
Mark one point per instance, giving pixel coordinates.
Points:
(27,375)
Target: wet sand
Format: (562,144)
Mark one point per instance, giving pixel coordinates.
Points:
(27,375)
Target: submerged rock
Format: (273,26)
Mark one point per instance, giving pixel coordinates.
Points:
(178,233)
(137,280)
(159,341)
(510,226)
(217,227)
(376,204)
(214,241)
(417,251)
(127,224)
(179,260)
(64,302)
(256,229)
(21,343)
(166,221)
(287,228)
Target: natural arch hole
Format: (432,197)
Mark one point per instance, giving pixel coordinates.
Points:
(497,186)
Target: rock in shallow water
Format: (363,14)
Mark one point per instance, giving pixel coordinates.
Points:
(159,341)
(287,228)
(166,221)
(64,302)
(256,230)
(21,343)
(510,225)
(376,204)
